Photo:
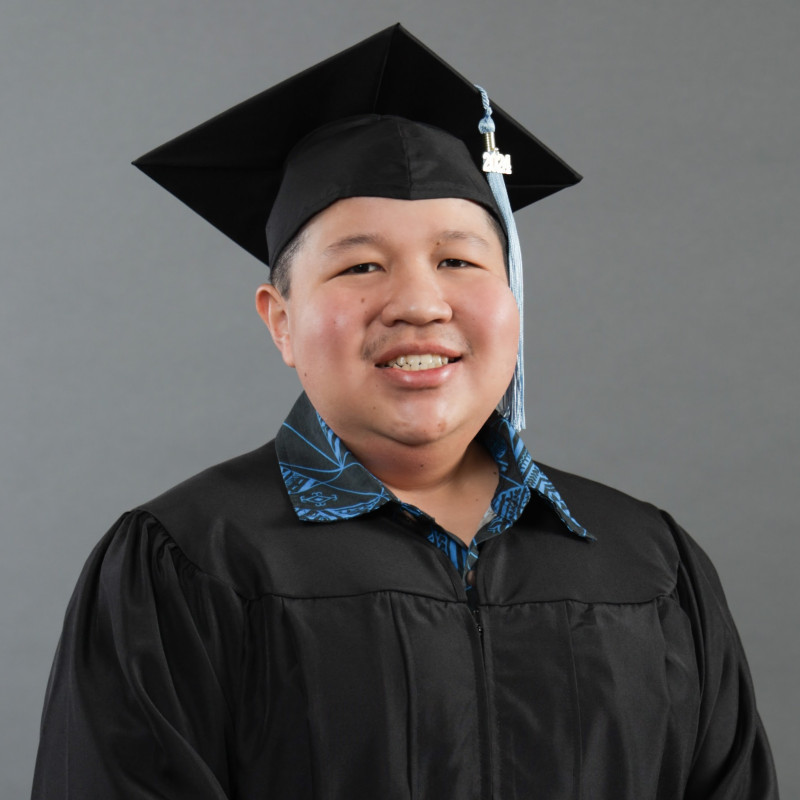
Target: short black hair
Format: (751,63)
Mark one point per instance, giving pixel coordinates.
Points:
(279,274)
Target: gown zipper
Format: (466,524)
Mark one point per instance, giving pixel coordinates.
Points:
(484,726)
(472,602)
(487,788)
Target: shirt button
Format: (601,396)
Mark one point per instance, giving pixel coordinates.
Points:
(470,577)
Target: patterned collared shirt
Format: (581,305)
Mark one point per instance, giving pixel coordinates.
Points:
(326,482)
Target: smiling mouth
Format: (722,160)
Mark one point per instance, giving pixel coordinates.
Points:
(416,363)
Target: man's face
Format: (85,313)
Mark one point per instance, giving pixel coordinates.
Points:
(399,321)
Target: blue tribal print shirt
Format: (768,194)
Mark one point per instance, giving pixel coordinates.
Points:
(326,482)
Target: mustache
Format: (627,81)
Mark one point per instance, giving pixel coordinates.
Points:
(444,340)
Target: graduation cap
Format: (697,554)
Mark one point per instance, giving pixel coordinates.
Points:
(229,169)
(386,117)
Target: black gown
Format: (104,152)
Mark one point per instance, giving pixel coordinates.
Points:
(216,647)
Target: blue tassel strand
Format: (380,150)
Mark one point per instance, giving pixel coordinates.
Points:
(512,405)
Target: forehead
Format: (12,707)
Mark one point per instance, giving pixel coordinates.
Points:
(410,220)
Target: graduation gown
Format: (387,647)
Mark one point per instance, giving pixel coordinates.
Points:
(217,647)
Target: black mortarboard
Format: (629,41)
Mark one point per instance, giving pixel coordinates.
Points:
(322,123)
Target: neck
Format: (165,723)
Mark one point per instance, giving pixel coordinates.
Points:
(417,467)
(454,485)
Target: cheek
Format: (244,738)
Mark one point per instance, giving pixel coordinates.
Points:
(507,337)
(326,333)
(496,322)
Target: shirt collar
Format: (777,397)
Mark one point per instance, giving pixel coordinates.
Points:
(326,482)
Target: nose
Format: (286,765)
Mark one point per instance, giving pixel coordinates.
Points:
(416,296)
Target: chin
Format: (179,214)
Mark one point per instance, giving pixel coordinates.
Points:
(417,438)
(423,428)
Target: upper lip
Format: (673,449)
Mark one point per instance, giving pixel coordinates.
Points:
(416,349)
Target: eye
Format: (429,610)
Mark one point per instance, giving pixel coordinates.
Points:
(360,269)
(455,263)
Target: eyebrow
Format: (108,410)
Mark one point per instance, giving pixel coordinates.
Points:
(349,242)
(360,239)
(464,236)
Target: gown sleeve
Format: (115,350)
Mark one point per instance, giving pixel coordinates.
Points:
(139,699)
(732,759)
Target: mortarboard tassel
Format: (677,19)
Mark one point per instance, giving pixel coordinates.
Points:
(495,165)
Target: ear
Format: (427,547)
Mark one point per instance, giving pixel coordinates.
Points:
(273,308)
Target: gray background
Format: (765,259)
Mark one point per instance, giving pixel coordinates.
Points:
(662,291)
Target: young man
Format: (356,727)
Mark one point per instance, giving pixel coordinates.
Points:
(391,599)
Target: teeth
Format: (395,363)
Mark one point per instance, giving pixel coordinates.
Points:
(418,362)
